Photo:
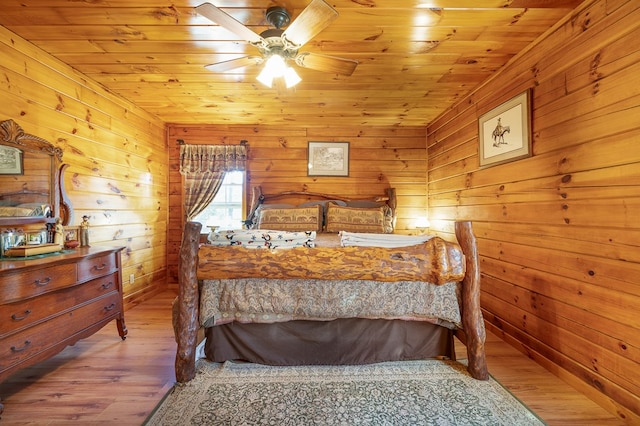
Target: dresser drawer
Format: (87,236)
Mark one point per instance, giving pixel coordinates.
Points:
(30,342)
(91,268)
(24,313)
(23,285)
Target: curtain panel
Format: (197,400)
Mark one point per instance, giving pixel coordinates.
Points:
(203,168)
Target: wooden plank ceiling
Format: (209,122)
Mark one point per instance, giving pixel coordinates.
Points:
(416,57)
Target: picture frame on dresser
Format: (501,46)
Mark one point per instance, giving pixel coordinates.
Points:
(71,233)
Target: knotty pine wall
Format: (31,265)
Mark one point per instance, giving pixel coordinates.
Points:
(379,158)
(559,233)
(118,173)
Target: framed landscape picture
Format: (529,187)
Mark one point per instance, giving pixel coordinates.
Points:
(328,159)
(505,132)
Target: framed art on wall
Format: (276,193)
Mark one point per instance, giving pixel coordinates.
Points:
(504,133)
(328,159)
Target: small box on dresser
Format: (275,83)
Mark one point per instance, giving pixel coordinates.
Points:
(49,303)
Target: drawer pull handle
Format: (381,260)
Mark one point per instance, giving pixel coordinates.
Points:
(100,268)
(17,318)
(25,346)
(110,307)
(107,286)
(42,282)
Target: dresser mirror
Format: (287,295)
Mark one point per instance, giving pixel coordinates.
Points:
(32,194)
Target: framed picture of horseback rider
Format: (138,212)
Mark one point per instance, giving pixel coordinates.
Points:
(504,133)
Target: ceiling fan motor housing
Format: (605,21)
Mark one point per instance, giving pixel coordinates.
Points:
(274,43)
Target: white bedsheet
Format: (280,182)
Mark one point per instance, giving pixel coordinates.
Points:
(381,240)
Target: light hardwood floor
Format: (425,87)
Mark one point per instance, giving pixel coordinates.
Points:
(103,380)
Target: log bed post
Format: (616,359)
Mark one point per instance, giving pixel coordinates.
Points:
(472,321)
(188,302)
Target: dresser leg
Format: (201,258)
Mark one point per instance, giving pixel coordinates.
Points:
(122,328)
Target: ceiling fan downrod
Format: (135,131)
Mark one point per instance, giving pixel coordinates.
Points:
(278,16)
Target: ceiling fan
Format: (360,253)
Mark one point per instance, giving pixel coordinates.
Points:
(278,46)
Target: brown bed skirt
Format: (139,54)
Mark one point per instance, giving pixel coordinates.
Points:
(338,342)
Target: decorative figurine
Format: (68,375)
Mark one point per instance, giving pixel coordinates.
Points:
(84,232)
(58,237)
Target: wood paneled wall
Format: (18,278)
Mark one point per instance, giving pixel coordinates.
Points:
(379,158)
(117,155)
(559,233)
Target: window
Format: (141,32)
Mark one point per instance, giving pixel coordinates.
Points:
(225,211)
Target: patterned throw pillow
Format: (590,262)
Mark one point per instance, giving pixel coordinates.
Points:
(324,204)
(291,219)
(353,219)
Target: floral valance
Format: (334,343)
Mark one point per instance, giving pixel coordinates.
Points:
(212,158)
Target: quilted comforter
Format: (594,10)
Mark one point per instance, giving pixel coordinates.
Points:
(266,300)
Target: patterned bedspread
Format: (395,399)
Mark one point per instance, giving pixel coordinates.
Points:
(275,300)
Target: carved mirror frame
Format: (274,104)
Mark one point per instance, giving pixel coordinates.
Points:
(12,135)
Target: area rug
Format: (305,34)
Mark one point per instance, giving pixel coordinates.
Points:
(431,392)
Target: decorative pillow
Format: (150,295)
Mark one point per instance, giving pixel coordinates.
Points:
(366,204)
(291,219)
(324,204)
(388,219)
(353,219)
(253,219)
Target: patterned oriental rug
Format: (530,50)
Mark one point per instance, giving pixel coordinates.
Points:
(431,392)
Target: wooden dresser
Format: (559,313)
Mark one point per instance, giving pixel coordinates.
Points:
(49,303)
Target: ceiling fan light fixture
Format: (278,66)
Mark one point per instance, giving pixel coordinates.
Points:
(265,78)
(291,77)
(276,67)
(273,68)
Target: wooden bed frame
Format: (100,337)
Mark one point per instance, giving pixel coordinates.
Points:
(196,263)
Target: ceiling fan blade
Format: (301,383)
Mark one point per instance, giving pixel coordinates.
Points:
(227,21)
(326,63)
(314,18)
(234,63)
